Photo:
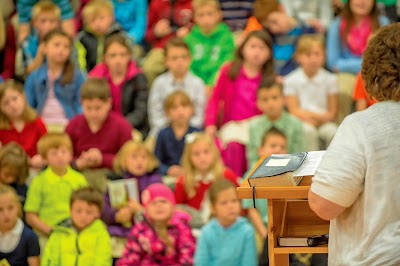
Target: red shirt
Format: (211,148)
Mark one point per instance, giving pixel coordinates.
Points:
(360,93)
(27,138)
(195,202)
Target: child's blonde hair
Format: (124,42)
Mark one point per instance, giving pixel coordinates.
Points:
(94,8)
(177,96)
(306,42)
(13,156)
(201,3)
(45,6)
(29,114)
(130,147)
(216,168)
(53,141)
(2,31)
(5,189)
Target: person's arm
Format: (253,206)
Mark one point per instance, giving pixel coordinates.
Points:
(10,50)
(33,250)
(159,152)
(202,253)
(34,261)
(35,222)
(294,108)
(81,54)
(249,254)
(77,97)
(103,249)
(186,245)
(138,115)
(51,255)
(325,12)
(333,46)
(331,114)
(200,101)
(157,117)
(29,89)
(256,220)
(180,193)
(138,28)
(324,208)
(252,144)
(37,61)
(133,251)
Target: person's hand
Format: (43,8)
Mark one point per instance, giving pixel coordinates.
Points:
(182,32)
(211,131)
(162,28)
(40,54)
(83,161)
(175,171)
(124,215)
(134,206)
(94,157)
(317,25)
(37,161)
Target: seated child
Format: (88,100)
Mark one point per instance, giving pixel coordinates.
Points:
(178,77)
(97,134)
(14,168)
(202,165)
(18,243)
(53,89)
(210,41)
(19,122)
(312,93)
(171,140)
(127,83)
(133,161)
(83,239)
(270,101)
(99,23)
(227,239)
(46,16)
(47,202)
(360,96)
(164,236)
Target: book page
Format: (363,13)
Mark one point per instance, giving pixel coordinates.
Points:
(117,193)
(132,188)
(309,167)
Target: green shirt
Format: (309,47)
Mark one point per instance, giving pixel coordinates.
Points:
(210,52)
(49,195)
(385,2)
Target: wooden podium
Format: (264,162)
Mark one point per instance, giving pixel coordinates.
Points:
(288,215)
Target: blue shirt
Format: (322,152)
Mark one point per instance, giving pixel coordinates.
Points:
(169,149)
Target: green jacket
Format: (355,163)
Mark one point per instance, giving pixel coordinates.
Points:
(66,247)
(209,52)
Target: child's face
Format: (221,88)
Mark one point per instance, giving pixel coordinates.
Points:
(312,60)
(256,52)
(180,113)
(8,175)
(178,60)
(12,104)
(59,158)
(160,210)
(274,144)
(101,22)
(277,23)
(270,102)
(361,7)
(227,207)
(207,17)
(9,209)
(46,22)
(58,49)
(137,163)
(83,214)
(96,110)
(117,58)
(202,156)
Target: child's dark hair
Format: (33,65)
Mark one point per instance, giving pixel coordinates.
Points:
(12,155)
(381,64)
(269,83)
(89,195)
(219,185)
(95,88)
(67,75)
(273,131)
(263,8)
(175,42)
(267,68)
(120,39)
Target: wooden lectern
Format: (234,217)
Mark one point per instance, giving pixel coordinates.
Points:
(288,215)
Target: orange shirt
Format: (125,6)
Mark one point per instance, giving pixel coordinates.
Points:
(360,93)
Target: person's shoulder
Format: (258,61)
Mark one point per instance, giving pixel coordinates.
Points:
(74,174)
(257,121)
(28,234)
(98,227)
(291,119)
(118,119)
(209,228)
(292,77)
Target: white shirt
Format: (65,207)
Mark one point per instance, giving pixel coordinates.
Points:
(10,240)
(361,171)
(312,94)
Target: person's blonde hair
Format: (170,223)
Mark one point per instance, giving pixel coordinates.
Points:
(2,31)
(130,147)
(177,96)
(45,6)
(53,141)
(201,3)
(381,64)
(5,189)
(94,8)
(216,169)
(12,155)
(306,42)
(28,115)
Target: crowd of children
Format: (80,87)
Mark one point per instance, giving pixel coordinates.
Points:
(181,103)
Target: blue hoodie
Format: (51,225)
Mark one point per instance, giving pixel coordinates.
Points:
(233,246)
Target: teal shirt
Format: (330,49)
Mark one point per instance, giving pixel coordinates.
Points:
(385,2)
(210,52)
(288,124)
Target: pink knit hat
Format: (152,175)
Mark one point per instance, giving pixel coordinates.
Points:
(157,190)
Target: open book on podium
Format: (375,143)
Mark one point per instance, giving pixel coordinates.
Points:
(285,169)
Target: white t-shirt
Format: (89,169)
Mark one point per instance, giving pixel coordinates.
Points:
(312,94)
(361,171)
